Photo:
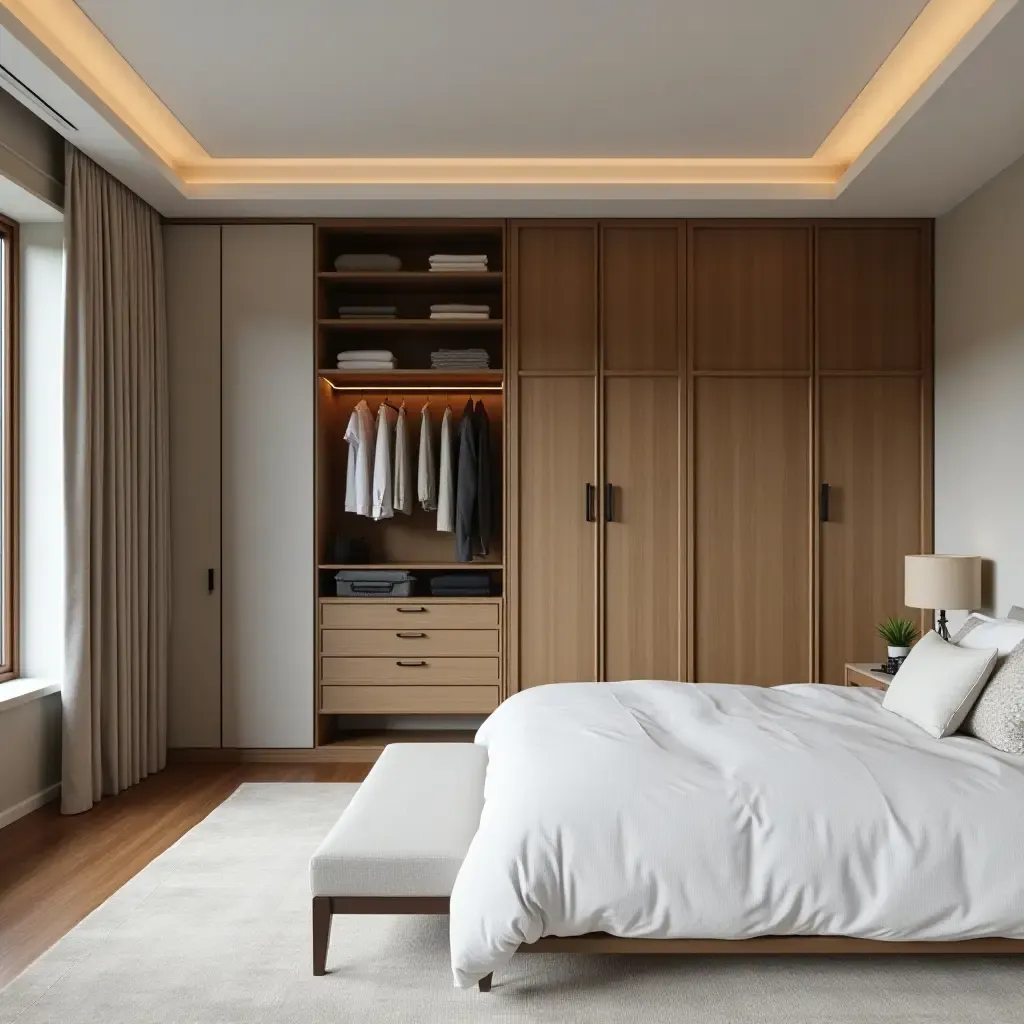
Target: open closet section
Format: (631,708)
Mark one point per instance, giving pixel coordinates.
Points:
(409,477)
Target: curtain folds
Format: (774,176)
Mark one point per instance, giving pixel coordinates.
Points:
(116,482)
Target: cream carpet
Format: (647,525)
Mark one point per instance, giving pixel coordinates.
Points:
(217,930)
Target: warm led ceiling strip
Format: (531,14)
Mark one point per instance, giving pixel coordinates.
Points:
(66,35)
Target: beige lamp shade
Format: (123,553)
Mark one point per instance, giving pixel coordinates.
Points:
(945,582)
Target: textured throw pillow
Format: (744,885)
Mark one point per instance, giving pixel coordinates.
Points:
(998,714)
(938,683)
(1016,612)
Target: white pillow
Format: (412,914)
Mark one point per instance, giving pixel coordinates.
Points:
(938,684)
(1003,634)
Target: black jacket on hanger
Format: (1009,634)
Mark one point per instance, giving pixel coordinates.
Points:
(474,505)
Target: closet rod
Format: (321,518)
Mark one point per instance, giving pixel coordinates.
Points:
(438,389)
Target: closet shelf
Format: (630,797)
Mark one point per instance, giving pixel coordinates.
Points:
(409,323)
(392,380)
(422,566)
(415,279)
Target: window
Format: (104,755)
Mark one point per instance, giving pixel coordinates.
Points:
(8,448)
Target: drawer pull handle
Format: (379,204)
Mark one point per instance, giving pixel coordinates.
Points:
(411,664)
(407,610)
(411,636)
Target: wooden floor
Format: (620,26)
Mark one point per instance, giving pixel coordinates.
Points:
(55,870)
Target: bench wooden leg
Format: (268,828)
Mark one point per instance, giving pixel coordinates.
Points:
(484,984)
(321,933)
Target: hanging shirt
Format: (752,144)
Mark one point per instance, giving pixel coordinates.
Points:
(383,493)
(484,496)
(466,528)
(426,478)
(403,467)
(359,435)
(446,476)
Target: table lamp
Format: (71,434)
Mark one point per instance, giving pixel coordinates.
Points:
(942,582)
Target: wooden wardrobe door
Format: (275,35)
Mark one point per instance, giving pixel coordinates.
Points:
(643,620)
(268,487)
(874,293)
(870,456)
(752,507)
(639,289)
(192,260)
(554,284)
(750,297)
(557,593)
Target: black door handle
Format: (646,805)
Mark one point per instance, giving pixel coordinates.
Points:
(823,503)
(411,636)
(410,610)
(609,494)
(209,581)
(411,664)
(590,503)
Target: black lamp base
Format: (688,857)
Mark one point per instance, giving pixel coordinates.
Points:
(943,629)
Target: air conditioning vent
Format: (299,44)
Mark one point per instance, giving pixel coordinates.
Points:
(34,101)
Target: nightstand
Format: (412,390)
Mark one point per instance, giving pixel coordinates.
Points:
(866,673)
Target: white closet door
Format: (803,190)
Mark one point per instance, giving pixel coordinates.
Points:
(267,479)
(192,260)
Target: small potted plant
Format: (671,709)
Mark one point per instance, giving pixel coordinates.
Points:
(899,634)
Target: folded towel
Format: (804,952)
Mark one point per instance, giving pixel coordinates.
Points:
(380,261)
(460,316)
(366,353)
(369,364)
(447,257)
(368,310)
(459,268)
(459,307)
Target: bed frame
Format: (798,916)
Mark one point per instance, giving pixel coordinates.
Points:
(324,907)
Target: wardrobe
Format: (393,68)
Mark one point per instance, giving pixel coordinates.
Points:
(723,445)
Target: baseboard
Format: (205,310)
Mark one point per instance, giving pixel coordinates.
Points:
(30,804)
(254,755)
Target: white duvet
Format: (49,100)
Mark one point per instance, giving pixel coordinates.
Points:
(663,810)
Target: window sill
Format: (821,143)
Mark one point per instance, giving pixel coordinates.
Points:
(21,691)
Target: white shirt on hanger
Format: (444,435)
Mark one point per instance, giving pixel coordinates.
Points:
(383,493)
(403,467)
(426,476)
(358,434)
(446,476)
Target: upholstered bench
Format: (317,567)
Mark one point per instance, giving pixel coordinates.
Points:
(399,844)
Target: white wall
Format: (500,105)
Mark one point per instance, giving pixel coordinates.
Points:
(30,733)
(979,384)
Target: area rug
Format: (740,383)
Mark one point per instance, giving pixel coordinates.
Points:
(217,930)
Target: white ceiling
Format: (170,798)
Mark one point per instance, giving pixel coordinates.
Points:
(964,134)
(320,78)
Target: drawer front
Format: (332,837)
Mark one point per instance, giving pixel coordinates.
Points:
(411,615)
(411,671)
(411,700)
(406,643)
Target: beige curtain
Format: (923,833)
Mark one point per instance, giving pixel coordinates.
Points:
(116,473)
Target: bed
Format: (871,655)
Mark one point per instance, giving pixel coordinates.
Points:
(719,817)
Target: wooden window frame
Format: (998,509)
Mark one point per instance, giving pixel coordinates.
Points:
(9,439)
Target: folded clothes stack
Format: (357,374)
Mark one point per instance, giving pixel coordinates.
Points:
(366,359)
(455,262)
(367,312)
(459,311)
(460,359)
(367,261)
(461,584)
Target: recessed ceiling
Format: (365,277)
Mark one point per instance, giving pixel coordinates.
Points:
(534,78)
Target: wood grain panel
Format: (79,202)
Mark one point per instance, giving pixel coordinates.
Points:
(871,303)
(870,454)
(644,624)
(557,546)
(408,700)
(267,484)
(753,530)
(554,292)
(192,257)
(750,294)
(409,613)
(639,285)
